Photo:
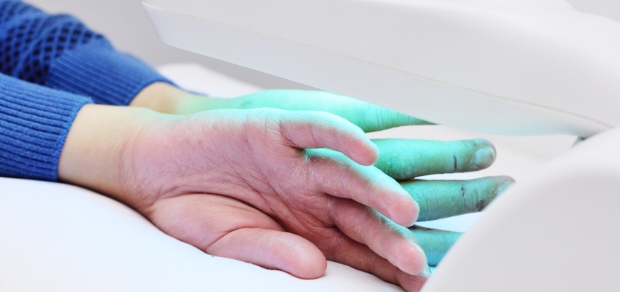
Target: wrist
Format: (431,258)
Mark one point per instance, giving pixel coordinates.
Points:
(97,145)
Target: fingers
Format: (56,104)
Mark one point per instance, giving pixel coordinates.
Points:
(367,116)
(305,129)
(226,227)
(334,174)
(372,118)
(441,199)
(354,254)
(435,243)
(406,159)
(272,249)
(387,239)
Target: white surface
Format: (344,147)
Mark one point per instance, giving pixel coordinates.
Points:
(607,8)
(517,67)
(558,231)
(196,78)
(62,238)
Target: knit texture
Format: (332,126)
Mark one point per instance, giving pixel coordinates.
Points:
(32,40)
(100,72)
(60,52)
(34,122)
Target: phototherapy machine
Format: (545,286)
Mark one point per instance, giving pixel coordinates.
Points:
(539,78)
(509,67)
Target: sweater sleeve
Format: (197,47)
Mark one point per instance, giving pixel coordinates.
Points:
(34,122)
(60,52)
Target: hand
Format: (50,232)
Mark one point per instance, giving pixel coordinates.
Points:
(403,160)
(165,98)
(253,185)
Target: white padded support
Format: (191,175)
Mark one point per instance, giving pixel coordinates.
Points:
(555,231)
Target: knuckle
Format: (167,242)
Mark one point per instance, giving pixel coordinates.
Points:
(470,197)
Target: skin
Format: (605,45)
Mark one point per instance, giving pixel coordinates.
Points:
(434,242)
(282,179)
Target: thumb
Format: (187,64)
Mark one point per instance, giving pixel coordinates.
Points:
(306,129)
(272,249)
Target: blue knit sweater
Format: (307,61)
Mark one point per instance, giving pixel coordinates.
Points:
(51,65)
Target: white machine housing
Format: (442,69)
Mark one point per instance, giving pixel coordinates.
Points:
(497,66)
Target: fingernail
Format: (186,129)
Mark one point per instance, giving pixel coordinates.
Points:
(502,188)
(413,269)
(415,219)
(484,157)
